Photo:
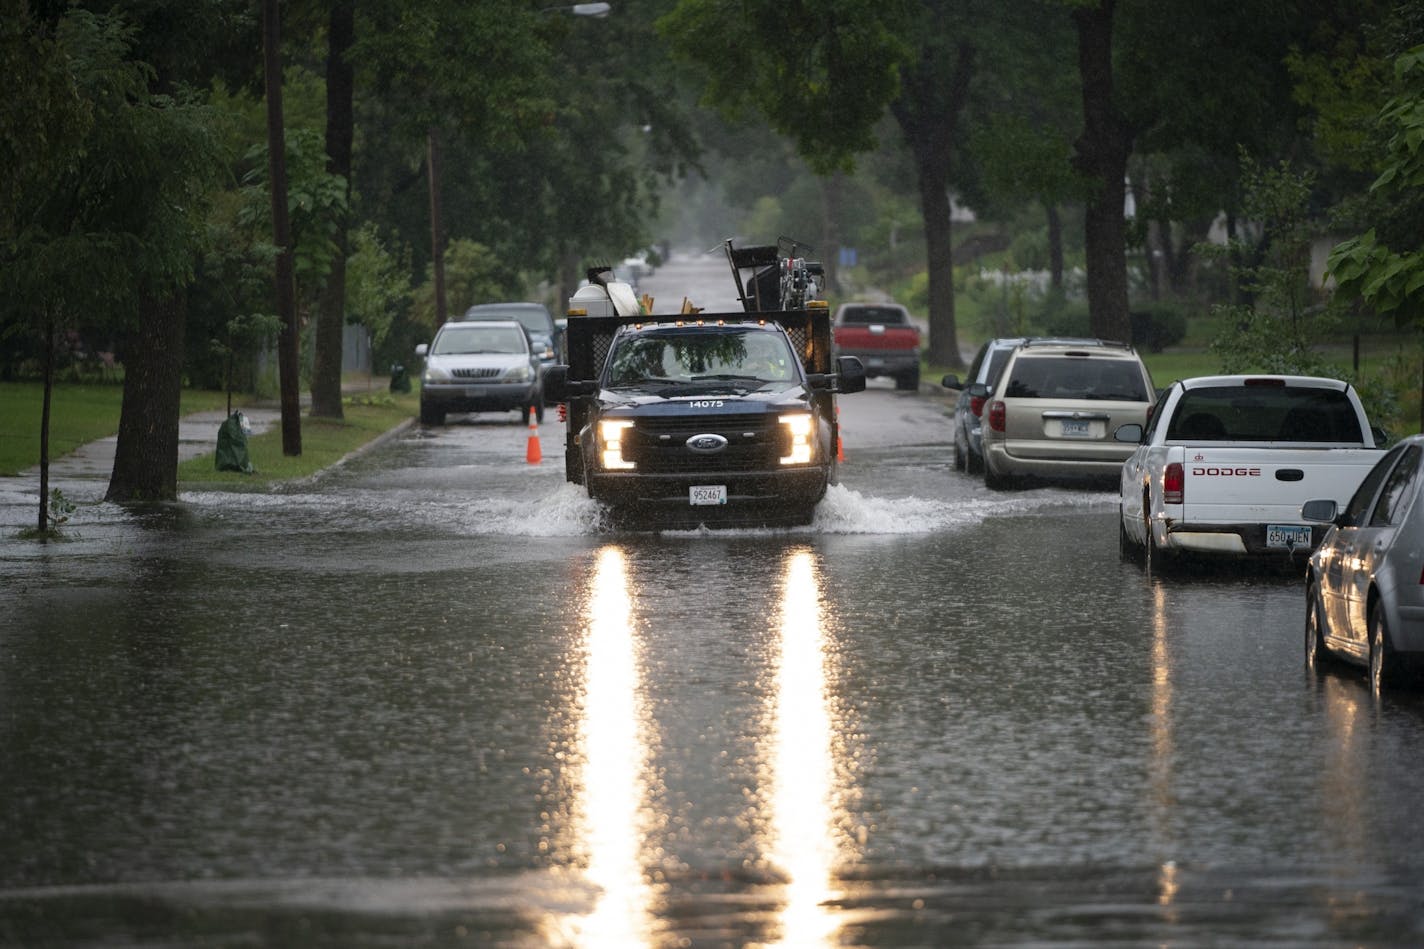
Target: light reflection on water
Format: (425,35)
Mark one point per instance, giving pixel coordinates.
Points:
(798,798)
(613,788)
(803,844)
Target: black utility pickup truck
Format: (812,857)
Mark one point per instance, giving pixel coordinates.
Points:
(722,419)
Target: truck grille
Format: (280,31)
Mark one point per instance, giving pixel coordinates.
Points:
(754,443)
(475,373)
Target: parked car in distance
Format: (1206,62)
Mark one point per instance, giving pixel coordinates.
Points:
(1055,410)
(545,335)
(1226,462)
(480,366)
(883,337)
(984,370)
(1364,592)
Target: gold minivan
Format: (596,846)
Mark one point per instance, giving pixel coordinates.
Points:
(1056,408)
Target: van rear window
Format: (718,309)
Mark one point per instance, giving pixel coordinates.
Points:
(1076,377)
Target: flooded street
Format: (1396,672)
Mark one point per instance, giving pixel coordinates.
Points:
(430,699)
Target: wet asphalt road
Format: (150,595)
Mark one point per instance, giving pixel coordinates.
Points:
(430,700)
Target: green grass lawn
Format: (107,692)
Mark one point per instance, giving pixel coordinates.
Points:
(324,442)
(83,413)
(78,414)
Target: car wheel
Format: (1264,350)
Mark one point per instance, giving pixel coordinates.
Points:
(1315,654)
(1126,549)
(960,463)
(430,415)
(1156,558)
(1383,671)
(910,380)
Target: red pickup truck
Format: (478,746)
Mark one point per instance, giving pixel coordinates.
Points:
(884,339)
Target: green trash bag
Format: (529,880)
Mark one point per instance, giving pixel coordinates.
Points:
(232,444)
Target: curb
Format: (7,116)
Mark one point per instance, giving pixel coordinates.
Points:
(389,434)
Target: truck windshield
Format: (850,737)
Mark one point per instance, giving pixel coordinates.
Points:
(683,357)
(1265,414)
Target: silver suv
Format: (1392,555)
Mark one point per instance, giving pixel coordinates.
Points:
(480,367)
(1056,407)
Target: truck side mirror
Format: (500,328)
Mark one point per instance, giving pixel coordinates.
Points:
(558,387)
(851,372)
(556,384)
(421,349)
(1319,512)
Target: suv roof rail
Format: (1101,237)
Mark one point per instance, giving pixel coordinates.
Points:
(1068,341)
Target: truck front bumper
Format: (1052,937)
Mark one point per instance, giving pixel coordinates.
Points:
(760,497)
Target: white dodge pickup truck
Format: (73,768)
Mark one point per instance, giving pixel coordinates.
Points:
(1226,462)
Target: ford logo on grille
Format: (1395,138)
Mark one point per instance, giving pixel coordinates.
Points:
(706,444)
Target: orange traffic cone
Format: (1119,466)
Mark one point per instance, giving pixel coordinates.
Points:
(533,454)
(840,446)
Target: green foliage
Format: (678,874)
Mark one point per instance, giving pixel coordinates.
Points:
(316,200)
(821,74)
(1279,329)
(84,236)
(377,286)
(59,510)
(1387,272)
(473,274)
(1155,326)
(1388,280)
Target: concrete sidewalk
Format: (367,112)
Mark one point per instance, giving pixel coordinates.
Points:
(197,436)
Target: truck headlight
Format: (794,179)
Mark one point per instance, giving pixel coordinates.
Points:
(610,434)
(435,374)
(803,449)
(519,374)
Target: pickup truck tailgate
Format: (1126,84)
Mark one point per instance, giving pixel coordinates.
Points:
(1249,485)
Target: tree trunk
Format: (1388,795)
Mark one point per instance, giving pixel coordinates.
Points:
(569,277)
(1055,248)
(437,231)
(939,253)
(828,246)
(331,315)
(927,110)
(146,456)
(44,423)
(1101,154)
(288,341)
